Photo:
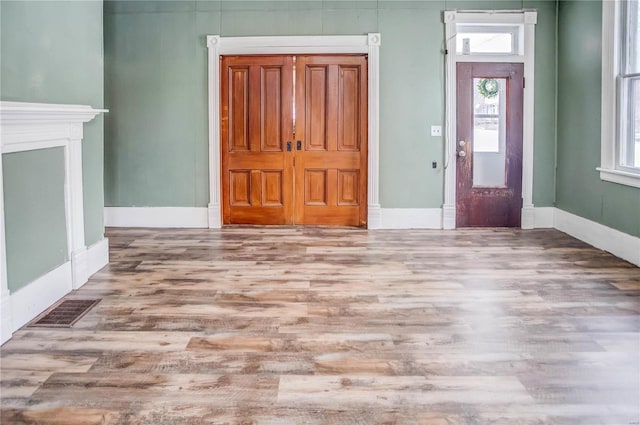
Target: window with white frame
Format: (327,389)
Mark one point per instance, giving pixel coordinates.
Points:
(492,39)
(621,92)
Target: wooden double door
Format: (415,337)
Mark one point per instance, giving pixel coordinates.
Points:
(294,140)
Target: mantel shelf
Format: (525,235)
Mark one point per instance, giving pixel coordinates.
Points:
(21,112)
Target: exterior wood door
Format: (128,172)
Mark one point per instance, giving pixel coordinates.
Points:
(257,122)
(331,126)
(489,144)
(307,167)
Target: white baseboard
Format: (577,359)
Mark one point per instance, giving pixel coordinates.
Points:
(618,243)
(97,256)
(156,217)
(214,216)
(20,307)
(449,217)
(411,218)
(543,217)
(527,217)
(6,324)
(79,267)
(374,218)
(31,300)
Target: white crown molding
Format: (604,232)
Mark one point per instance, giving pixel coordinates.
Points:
(20,112)
(29,126)
(335,44)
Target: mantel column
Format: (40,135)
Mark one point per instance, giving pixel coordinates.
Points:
(75,218)
(6,325)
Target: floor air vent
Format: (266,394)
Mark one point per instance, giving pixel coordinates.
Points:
(64,314)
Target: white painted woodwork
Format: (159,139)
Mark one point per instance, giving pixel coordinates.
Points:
(31,126)
(364,44)
(611,51)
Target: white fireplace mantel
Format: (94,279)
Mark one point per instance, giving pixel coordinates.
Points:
(31,126)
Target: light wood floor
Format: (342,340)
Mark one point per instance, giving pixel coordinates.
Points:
(339,326)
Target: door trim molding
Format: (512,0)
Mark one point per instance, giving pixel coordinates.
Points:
(333,44)
(528,20)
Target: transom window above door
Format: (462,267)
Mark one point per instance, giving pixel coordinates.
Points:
(489,39)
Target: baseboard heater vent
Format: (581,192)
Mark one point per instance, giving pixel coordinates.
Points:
(64,314)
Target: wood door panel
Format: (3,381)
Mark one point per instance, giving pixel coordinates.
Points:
(343,216)
(239,109)
(494,205)
(339,160)
(272,188)
(348,187)
(257,160)
(271,122)
(316,112)
(257,121)
(348,104)
(240,182)
(332,165)
(315,187)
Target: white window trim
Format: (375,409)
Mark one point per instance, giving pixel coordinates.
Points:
(328,44)
(529,19)
(611,49)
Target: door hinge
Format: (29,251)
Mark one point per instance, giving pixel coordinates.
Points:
(523,82)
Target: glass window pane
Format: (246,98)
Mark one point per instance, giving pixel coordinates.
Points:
(488,42)
(489,132)
(631,38)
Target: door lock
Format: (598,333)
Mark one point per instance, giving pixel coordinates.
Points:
(288,146)
(462,154)
(299,145)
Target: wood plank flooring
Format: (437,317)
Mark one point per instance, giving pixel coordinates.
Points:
(339,326)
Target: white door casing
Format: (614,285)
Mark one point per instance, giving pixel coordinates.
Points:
(528,20)
(349,44)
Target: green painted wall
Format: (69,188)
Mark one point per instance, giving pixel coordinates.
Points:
(34,214)
(579,188)
(52,52)
(156,89)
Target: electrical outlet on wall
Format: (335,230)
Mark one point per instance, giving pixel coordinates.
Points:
(436,130)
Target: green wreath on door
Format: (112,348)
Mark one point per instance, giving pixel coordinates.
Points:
(488,87)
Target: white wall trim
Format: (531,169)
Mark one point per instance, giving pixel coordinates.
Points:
(610,60)
(184,217)
(34,298)
(29,126)
(528,19)
(365,44)
(543,217)
(602,237)
(97,256)
(612,47)
(411,218)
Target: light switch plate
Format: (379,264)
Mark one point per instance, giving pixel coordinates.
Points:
(436,130)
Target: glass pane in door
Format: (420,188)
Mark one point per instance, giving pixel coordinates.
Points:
(489,132)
